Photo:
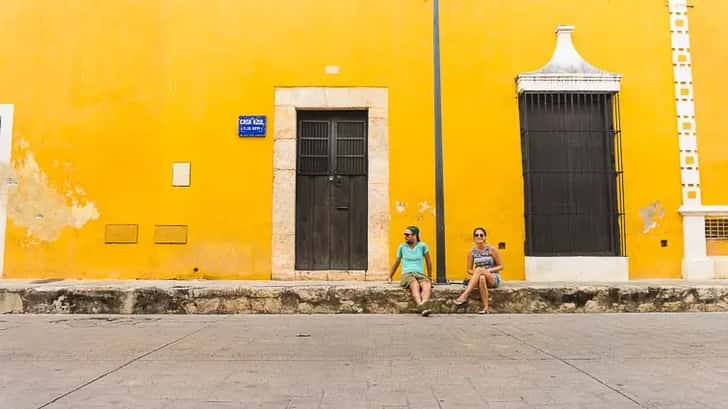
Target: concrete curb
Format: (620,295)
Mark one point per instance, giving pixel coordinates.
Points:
(248,297)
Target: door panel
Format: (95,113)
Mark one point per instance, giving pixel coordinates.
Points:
(304,222)
(321,223)
(358,218)
(340,223)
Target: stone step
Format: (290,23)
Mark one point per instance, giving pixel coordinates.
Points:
(306,297)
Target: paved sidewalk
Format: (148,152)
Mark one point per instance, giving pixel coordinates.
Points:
(554,361)
(226,297)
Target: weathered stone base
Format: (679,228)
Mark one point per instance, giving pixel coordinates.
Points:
(250,297)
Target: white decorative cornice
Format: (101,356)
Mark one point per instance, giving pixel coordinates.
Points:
(699,210)
(568,71)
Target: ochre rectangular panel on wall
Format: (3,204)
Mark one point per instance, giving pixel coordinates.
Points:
(170,234)
(121,233)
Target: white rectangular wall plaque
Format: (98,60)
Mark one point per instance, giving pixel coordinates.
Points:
(181,174)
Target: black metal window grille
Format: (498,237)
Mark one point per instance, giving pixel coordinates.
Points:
(313,147)
(351,147)
(716,228)
(333,146)
(573,178)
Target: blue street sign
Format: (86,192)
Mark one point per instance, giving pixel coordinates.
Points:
(251,125)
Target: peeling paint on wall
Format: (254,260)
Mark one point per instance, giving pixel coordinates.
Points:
(34,204)
(423,207)
(651,215)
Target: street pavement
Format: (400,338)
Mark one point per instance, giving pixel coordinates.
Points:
(555,361)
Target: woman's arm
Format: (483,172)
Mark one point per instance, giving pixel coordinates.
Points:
(429,265)
(394,268)
(498,261)
(470,268)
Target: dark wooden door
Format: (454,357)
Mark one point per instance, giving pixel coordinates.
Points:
(568,142)
(331,190)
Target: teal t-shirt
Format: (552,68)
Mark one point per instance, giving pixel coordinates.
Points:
(413,259)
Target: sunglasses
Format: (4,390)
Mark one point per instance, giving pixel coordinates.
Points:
(408,234)
(479,235)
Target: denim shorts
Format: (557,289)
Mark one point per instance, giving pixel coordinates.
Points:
(497,280)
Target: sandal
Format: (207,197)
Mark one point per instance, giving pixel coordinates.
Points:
(483,312)
(461,303)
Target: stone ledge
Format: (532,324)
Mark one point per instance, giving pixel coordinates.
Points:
(307,297)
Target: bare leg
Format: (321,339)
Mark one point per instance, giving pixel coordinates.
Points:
(471,286)
(415,288)
(483,287)
(426,291)
(490,280)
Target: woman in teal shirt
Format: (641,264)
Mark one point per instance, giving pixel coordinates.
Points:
(413,254)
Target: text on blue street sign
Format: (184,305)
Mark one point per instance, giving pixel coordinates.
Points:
(251,125)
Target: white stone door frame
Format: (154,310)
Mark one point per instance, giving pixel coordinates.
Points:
(6,144)
(287,101)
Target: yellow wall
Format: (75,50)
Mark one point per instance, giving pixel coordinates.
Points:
(108,94)
(708,32)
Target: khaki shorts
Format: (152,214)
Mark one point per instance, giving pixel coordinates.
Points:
(407,279)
